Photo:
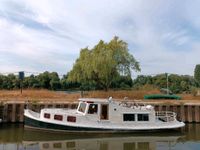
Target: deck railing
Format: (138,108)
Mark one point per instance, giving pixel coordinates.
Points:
(165,116)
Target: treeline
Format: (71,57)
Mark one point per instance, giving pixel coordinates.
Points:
(176,83)
(51,81)
(46,80)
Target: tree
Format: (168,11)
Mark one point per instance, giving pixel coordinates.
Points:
(197,74)
(44,80)
(122,82)
(177,83)
(55,81)
(31,82)
(65,84)
(142,80)
(103,63)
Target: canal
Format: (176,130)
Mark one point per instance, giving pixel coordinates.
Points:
(14,137)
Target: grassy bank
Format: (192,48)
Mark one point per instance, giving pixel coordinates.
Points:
(46,95)
(36,95)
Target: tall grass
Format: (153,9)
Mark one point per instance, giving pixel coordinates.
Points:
(37,95)
(131,94)
(46,95)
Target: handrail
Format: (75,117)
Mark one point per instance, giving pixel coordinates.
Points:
(166,116)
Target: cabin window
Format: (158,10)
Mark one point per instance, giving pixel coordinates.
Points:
(45,145)
(93,109)
(82,107)
(57,145)
(129,117)
(70,144)
(143,117)
(71,119)
(58,117)
(46,115)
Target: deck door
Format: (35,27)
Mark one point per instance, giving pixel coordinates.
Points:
(104,112)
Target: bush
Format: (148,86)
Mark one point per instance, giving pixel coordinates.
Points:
(194,91)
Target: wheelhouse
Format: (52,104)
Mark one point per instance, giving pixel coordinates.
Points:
(98,108)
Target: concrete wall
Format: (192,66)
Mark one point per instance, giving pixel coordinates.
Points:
(13,111)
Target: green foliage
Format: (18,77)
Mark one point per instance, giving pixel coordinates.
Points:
(103,64)
(142,80)
(44,80)
(51,81)
(31,82)
(194,91)
(9,82)
(197,74)
(65,84)
(177,83)
(55,85)
(122,82)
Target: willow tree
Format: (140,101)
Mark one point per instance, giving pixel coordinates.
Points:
(197,74)
(103,63)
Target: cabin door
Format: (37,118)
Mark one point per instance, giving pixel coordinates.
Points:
(104,112)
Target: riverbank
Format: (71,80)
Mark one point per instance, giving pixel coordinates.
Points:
(35,96)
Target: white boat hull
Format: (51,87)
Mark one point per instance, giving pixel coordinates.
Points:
(32,120)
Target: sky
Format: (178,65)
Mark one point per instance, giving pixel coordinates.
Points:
(47,35)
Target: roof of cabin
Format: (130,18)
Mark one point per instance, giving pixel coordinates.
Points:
(98,100)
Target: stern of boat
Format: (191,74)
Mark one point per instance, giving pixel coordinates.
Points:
(169,118)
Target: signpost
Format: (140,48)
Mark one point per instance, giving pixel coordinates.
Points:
(21,78)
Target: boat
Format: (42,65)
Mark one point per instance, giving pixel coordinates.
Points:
(102,115)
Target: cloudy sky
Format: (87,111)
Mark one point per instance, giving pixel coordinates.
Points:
(40,35)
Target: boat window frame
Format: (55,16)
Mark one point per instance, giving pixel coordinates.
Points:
(80,103)
(71,119)
(93,111)
(47,115)
(143,117)
(129,119)
(58,117)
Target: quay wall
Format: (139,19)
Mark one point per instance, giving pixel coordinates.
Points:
(13,111)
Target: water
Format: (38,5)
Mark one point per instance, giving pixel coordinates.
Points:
(14,137)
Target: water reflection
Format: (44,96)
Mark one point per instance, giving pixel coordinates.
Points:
(105,143)
(14,137)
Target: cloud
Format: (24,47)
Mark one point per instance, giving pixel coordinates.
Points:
(48,35)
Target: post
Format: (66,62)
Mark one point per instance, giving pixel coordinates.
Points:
(21,86)
(21,77)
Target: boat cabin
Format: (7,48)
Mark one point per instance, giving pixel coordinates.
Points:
(104,109)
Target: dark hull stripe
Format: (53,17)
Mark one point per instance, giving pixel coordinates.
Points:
(31,123)
(35,124)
